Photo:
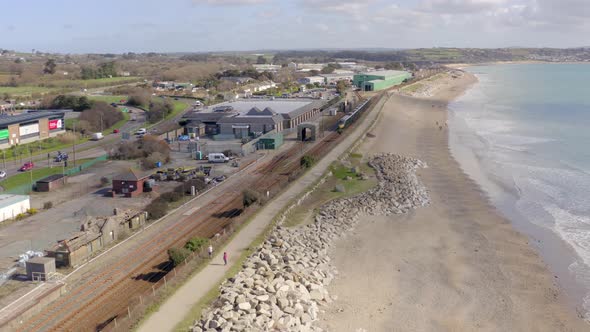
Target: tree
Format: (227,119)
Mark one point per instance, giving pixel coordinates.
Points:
(249,197)
(341,87)
(178,255)
(328,69)
(50,66)
(261,60)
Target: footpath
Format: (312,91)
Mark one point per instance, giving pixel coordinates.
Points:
(175,308)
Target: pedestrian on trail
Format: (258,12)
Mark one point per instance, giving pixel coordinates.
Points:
(224,258)
(210,250)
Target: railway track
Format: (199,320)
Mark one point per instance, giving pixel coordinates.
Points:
(81,299)
(95,303)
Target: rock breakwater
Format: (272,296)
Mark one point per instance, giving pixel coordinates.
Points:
(282,286)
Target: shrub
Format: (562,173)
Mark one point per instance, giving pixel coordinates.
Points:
(47,205)
(139,98)
(178,255)
(196,243)
(249,197)
(307,161)
(171,197)
(20,216)
(32,211)
(104,181)
(156,209)
(100,116)
(150,161)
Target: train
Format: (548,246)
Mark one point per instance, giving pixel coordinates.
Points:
(351,117)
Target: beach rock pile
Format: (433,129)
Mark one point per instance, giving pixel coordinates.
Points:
(284,283)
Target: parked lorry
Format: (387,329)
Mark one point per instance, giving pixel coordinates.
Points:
(217,158)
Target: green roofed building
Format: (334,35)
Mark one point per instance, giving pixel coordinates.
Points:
(379,80)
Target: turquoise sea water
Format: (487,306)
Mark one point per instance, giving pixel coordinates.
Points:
(523,132)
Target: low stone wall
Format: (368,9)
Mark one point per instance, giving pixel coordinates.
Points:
(283,284)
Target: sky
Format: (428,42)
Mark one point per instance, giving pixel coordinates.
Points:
(118,26)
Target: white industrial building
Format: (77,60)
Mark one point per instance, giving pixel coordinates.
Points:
(13,205)
(312,80)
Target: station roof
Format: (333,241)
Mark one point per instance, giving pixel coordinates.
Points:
(289,108)
(130,175)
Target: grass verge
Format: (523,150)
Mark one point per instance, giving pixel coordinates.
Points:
(24,178)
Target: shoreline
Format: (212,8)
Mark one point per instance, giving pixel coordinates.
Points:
(557,254)
(523,62)
(456,265)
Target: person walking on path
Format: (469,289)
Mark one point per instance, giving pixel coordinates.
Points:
(224,258)
(210,251)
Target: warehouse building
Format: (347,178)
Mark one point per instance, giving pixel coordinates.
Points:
(332,79)
(312,80)
(30,127)
(239,119)
(13,205)
(379,80)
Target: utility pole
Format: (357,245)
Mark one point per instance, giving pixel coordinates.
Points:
(31,161)
(74,147)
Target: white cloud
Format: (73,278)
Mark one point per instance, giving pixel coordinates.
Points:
(459,6)
(230,2)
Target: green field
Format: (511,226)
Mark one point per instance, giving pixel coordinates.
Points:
(24,178)
(25,91)
(109,99)
(64,86)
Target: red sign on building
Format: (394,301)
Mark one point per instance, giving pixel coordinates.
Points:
(55,124)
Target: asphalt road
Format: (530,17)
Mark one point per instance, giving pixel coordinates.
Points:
(91,149)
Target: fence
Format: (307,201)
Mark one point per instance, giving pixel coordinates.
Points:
(27,188)
(165,285)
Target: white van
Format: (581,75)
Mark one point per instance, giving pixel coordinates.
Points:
(97,136)
(217,158)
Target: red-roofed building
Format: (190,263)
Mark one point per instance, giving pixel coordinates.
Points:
(129,183)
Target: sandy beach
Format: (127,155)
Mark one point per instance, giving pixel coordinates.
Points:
(456,265)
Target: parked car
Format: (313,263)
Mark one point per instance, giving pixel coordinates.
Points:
(2,174)
(183,138)
(26,167)
(115,131)
(141,131)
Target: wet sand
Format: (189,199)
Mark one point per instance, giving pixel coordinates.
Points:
(456,265)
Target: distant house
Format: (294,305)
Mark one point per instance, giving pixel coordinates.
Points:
(129,183)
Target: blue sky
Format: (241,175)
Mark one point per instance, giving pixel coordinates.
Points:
(78,26)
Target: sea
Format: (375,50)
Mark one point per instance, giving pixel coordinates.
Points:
(523,133)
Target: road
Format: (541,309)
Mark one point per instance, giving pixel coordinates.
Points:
(91,149)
